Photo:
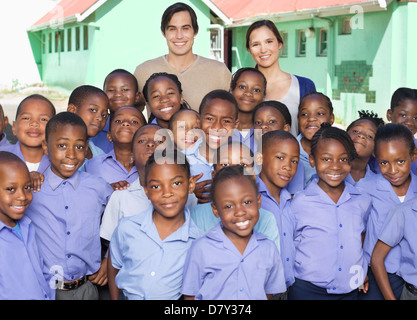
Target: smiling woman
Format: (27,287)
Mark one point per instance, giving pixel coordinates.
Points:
(263,41)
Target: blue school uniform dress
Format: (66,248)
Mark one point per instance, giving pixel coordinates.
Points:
(399,231)
(383,199)
(309,171)
(15,149)
(21,273)
(328,241)
(285,222)
(66,215)
(216,270)
(150,268)
(203,216)
(107,167)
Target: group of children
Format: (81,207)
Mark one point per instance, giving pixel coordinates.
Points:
(219,203)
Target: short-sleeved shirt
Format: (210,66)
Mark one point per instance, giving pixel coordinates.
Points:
(150,268)
(399,231)
(110,169)
(285,221)
(21,267)
(203,216)
(383,199)
(66,215)
(3,141)
(309,171)
(15,149)
(328,238)
(216,270)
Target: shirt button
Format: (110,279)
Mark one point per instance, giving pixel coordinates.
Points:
(68,233)
(341,247)
(66,207)
(241,289)
(285,234)
(152,273)
(340,225)
(340,269)
(68,256)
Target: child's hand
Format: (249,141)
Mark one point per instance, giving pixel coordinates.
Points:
(365,285)
(201,191)
(37,179)
(120,185)
(100,277)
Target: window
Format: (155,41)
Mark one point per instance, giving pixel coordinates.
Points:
(77,38)
(323,42)
(346,27)
(69,40)
(301,52)
(62,40)
(57,39)
(217,42)
(43,43)
(283,53)
(85,37)
(49,42)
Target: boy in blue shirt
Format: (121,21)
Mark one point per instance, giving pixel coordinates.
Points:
(92,105)
(117,167)
(21,274)
(67,211)
(148,250)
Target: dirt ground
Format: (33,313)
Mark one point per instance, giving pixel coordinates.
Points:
(11,99)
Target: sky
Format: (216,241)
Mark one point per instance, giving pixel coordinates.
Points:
(16,58)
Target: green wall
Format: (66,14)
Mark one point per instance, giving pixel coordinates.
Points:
(121,34)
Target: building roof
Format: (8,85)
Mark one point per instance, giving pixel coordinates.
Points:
(239,12)
(231,12)
(67,11)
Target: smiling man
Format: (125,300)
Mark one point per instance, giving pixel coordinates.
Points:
(198,75)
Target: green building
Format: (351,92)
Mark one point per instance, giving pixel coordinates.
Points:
(357,52)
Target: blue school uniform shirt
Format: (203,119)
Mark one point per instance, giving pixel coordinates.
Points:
(21,267)
(216,270)
(309,171)
(100,140)
(203,216)
(198,164)
(107,167)
(4,142)
(150,268)
(15,149)
(249,140)
(285,222)
(328,238)
(66,215)
(399,231)
(383,199)
(361,183)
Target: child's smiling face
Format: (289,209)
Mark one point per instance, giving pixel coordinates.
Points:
(164,98)
(405,113)
(331,161)
(125,122)
(186,129)
(249,91)
(312,114)
(31,121)
(218,119)
(121,91)
(394,160)
(237,204)
(167,187)
(15,192)
(269,119)
(67,149)
(363,135)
